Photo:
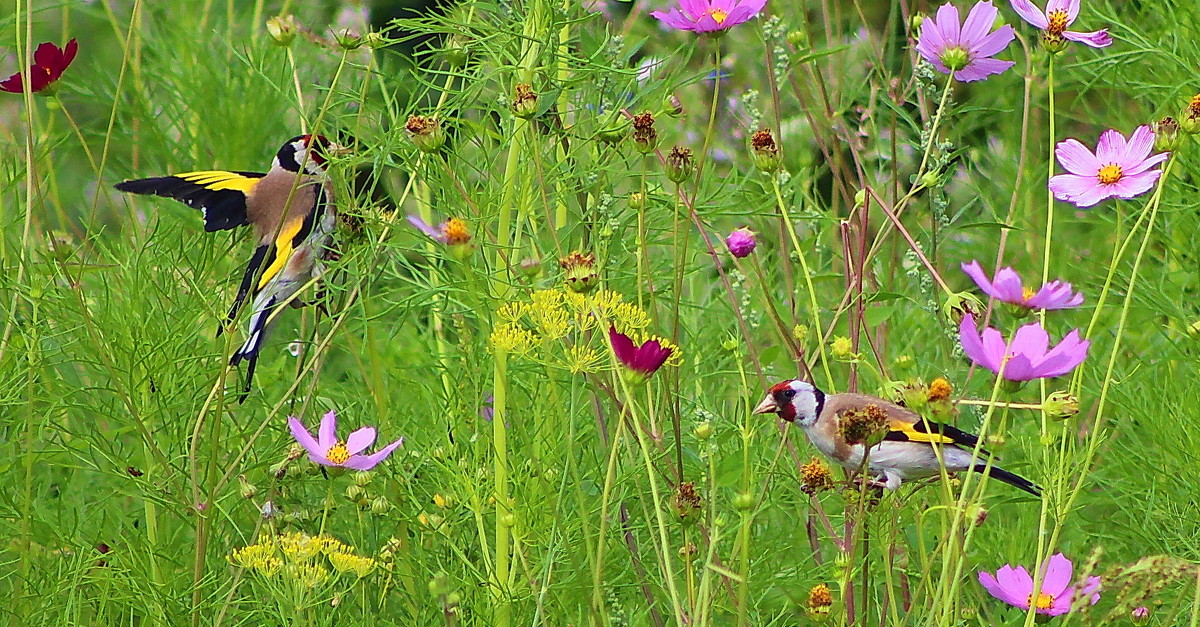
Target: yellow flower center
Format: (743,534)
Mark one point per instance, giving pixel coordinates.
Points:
(1042,601)
(338,454)
(1110,174)
(1058,21)
(1027,293)
(718,15)
(456,232)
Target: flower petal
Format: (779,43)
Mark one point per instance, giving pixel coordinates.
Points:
(1110,147)
(1076,158)
(947,22)
(367,462)
(327,432)
(979,21)
(1057,575)
(359,440)
(1140,143)
(1008,286)
(980,69)
(1030,13)
(1135,185)
(1030,340)
(1017,583)
(990,45)
(1072,10)
(1068,187)
(994,588)
(1146,164)
(1096,39)
(305,438)
(975,271)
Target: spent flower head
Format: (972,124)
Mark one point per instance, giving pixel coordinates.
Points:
(1027,356)
(1118,168)
(1189,118)
(49,63)
(765,150)
(709,16)
(1007,287)
(1059,14)
(327,450)
(1057,596)
(425,132)
(641,361)
(680,164)
(645,137)
(965,50)
(579,271)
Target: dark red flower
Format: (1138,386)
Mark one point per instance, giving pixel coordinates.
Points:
(49,63)
(645,359)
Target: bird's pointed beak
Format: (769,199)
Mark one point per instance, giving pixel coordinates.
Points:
(767,406)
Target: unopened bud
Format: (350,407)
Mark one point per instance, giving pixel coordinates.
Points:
(363,478)
(915,22)
(245,488)
(348,39)
(842,348)
(741,242)
(375,40)
(860,198)
(380,506)
(744,501)
(282,29)
(703,431)
(672,107)
(1061,404)
(637,201)
(1140,615)
(930,179)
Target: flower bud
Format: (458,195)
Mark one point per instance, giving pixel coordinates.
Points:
(245,488)
(1061,404)
(1189,118)
(913,395)
(456,52)
(375,40)
(915,22)
(380,506)
(798,39)
(282,29)
(425,132)
(860,198)
(348,39)
(765,150)
(741,242)
(508,520)
(672,107)
(977,514)
(645,137)
(1140,615)
(800,332)
(525,101)
(744,501)
(614,132)
(363,478)
(579,271)
(842,348)
(530,267)
(1166,134)
(930,179)
(679,164)
(703,431)
(443,501)
(355,493)
(637,201)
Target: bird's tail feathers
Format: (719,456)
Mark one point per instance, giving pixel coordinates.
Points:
(254,342)
(1014,480)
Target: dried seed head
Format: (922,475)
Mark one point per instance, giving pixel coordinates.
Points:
(645,137)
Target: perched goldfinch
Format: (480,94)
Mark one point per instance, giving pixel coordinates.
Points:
(906,450)
(291,211)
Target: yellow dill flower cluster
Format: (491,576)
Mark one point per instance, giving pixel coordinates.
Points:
(301,559)
(553,326)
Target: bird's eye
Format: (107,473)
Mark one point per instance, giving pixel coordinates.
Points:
(789,394)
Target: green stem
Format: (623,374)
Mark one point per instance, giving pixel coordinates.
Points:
(502,610)
(808,284)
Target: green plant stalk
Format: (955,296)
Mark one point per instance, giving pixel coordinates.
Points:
(808,284)
(599,615)
(1151,208)
(502,609)
(563,75)
(664,542)
(747,517)
(642,253)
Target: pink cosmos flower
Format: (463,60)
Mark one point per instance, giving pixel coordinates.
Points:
(1058,16)
(1028,355)
(741,242)
(1118,168)
(1014,586)
(709,16)
(966,50)
(326,449)
(642,360)
(49,63)
(1006,287)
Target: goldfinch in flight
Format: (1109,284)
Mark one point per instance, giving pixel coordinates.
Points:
(291,211)
(906,450)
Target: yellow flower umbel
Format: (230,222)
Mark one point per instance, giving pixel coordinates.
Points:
(345,562)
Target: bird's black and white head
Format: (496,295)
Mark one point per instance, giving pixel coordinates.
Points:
(304,153)
(795,401)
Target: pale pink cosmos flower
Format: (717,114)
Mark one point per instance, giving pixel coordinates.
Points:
(1119,168)
(965,50)
(1014,586)
(326,449)
(709,16)
(1058,16)
(1007,287)
(1028,355)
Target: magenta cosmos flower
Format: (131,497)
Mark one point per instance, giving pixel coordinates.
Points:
(1014,586)
(1006,287)
(966,50)
(1058,16)
(326,449)
(49,63)
(1029,355)
(642,360)
(741,242)
(709,16)
(1118,168)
